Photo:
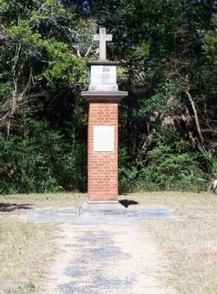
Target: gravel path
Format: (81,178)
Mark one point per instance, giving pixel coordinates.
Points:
(106,258)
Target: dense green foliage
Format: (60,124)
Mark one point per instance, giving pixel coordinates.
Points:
(168,55)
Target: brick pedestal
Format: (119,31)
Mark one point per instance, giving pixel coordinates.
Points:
(103,165)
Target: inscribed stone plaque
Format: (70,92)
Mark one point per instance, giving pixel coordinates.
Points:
(103,74)
(103,138)
(103,78)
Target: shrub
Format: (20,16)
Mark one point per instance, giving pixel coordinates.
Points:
(169,165)
(36,158)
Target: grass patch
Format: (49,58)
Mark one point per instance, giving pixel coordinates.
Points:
(25,250)
(190,246)
(43,200)
(182,202)
(190,242)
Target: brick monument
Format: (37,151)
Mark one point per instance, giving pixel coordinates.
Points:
(103,97)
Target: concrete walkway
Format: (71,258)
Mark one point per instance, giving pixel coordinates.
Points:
(100,255)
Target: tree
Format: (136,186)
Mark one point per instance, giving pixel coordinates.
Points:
(167,51)
(169,78)
(43,69)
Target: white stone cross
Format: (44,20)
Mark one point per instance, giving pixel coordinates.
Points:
(102,38)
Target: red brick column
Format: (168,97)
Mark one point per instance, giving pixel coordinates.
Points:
(102,166)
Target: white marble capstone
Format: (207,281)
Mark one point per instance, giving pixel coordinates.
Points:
(103,138)
(103,78)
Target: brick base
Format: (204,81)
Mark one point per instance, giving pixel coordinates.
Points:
(102,166)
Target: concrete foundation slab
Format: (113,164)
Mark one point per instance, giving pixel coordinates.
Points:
(90,213)
(102,208)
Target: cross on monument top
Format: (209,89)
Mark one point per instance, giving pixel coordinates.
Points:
(102,38)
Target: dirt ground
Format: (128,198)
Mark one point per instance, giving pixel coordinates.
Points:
(107,259)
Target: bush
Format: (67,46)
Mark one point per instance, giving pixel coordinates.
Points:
(36,158)
(169,165)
